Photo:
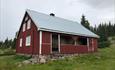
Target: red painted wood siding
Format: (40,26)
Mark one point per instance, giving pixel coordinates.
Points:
(34,46)
(70,49)
(46,42)
(67,48)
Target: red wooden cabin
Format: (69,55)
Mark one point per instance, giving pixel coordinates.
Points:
(46,34)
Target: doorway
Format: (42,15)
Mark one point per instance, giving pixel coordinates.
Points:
(55,48)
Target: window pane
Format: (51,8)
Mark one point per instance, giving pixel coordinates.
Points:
(28,40)
(21,42)
(28,24)
(67,40)
(24,27)
(26,18)
(82,41)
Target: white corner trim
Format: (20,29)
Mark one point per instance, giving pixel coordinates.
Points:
(59,42)
(51,42)
(92,45)
(40,47)
(88,43)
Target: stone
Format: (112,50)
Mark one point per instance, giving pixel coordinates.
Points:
(26,62)
(19,65)
(42,61)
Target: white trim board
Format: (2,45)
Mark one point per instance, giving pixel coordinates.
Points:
(59,43)
(40,48)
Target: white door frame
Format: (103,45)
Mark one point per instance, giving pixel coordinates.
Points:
(88,44)
(58,42)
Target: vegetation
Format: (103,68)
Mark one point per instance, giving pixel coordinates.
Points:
(85,22)
(9,43)
(4,52)
(104,30)
(104,59)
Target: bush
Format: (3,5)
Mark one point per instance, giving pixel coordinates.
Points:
(104,44)
(113,38)
(21,57)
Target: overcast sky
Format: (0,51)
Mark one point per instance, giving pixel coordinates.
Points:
(12,12)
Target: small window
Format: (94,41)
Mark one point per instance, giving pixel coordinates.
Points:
(28,40)
(24,26)
(28,24)
(26,18)
(20,42)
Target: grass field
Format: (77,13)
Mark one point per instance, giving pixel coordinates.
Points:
(104,59)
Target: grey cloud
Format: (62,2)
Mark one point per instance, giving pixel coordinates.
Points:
(101,4)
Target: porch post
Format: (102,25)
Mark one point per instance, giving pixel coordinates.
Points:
(51,42)
(40,44)
(92,45)
(59,42)
(88,43)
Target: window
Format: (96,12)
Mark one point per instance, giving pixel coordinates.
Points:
(26,18)
(28,24)
(20,42)
(67,40)
(82,41)
(28,40)
(24,26)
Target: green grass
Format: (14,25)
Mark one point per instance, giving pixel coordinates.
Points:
(104,59)
(8,51)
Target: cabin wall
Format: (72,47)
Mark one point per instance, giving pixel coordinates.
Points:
(46,42)
(71,49)
(95,44)
(67,48)
(34,46)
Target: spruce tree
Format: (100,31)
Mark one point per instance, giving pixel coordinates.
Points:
(85,22)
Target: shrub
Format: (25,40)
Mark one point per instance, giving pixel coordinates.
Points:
(21,57)
(113,38)
(104,44)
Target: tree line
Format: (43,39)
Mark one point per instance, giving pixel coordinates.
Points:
(104,30)
(9,43)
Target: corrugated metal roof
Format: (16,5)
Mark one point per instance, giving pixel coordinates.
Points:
(55,24)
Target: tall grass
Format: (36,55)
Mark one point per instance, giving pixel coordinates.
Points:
(104,59)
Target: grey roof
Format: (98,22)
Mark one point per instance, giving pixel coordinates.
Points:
(46,22)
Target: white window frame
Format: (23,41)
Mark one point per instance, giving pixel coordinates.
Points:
(28,40)
(28,24)
(24,27)
(20,42)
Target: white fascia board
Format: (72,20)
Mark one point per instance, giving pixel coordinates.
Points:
(71,33)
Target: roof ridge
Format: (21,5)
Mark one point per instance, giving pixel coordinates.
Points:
(51,16)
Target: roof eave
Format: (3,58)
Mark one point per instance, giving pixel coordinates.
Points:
(51,30)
